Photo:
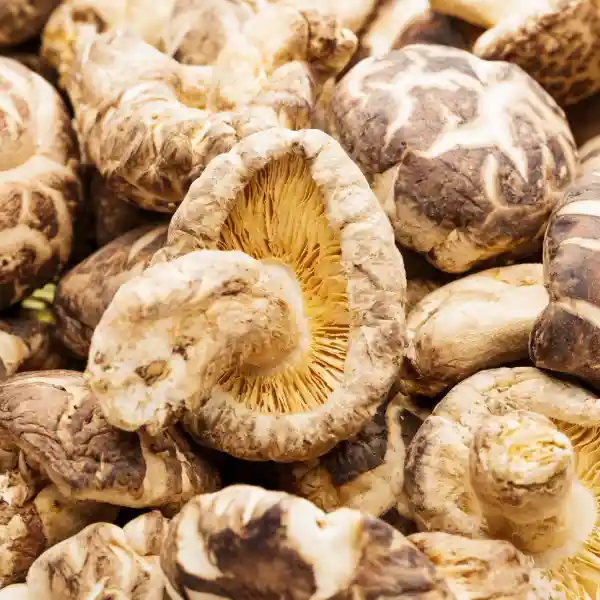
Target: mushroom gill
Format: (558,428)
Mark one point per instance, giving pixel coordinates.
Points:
(281,201)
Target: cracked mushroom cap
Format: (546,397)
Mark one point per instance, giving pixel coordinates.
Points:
(246,542)
(566,335)
(468,157)
(56,422)
(98,562)
(513,454)
(476,322)
(39,189)
(552,40)
(84,292)
(21,20)
(366,472)
(293,328)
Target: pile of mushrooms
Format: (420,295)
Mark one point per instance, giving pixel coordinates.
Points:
(298,300)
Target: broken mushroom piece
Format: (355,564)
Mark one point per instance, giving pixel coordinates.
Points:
(476,322)
(468,157)
(512,454)
(84,292)
(244,541)
(285,340)
(566,335)
(20,340)
(39,189)
(57,424)
(21,20)
(552,40)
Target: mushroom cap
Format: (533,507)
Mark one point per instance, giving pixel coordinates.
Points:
(566,334)
(146,534)
(468,157)
(476,322)
(96,562)
(324,227)
(39,189)
(555,44)
(57,423)
(248,542)
(84,292)
(17,591)
(20,339)
(438,462)
(366,472)
(23,19)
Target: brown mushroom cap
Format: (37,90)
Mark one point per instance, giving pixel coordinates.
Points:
(20,339)
(84,292)
(39,189)
(245,542)
(468,157)
(23,19)
(57,423)
(476,322)
(287,386)
(566,335)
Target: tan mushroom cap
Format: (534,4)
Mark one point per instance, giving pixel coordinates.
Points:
(23,19)
(20,339)
(512,453)
(17,591)
(322,303)
(476,322)
(552,40)
(39,189)
(248,542)
(146,534)
(57,423)
(97,562)
(468,157)
(566,335)
(84,292)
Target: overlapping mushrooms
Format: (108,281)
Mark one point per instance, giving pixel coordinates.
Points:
(277,324)
(513,454)
(468,157)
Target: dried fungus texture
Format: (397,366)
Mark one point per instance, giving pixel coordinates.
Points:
(23,19)
(245,542)
(84,293)
(39,188)
(17,591)
(513,453)
(20,339)
(98,562)
(474,323)
(566,336)
(146,534)
(468,157)
(57,424)
(283,341)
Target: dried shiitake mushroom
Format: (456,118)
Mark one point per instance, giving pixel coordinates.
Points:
(284,340)
(39,189)
(147,533)
(17,591)
(513,454)
(468,157)
(23,19)
(566,335)
(57,424)
(20,340)
(476,322)
(36,63)
(422,278)
(365,472)
(552,40)
(84,292)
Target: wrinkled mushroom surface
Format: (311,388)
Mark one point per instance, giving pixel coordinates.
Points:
(468,157)
(84,292)
(39,188)
(476,322)
(23,19)
(293,329)
(57,423)
(513,454)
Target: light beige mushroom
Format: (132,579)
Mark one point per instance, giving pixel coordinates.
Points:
(20,340)
(39,189)
(17,591)
(476,322)
(23,19)
(84,292)
(513,454)
(146,534)
(467,156)
(552,40)
(284,341)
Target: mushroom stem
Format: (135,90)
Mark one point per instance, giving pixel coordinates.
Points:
(523,472)
(487,13)
(214,311)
